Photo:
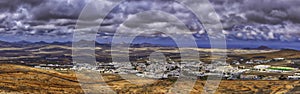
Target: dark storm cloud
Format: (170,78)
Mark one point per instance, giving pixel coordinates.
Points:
(242,19)
(55,9)
(261,11)
(45,9)
(13,5)
(34,18)
(153,21)
(276,20)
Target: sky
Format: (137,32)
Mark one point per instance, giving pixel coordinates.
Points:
(271,21)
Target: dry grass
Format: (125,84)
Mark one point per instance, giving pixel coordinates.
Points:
(20,79)
(277,54)
(14,78)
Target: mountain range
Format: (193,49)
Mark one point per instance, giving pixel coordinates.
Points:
(20,44)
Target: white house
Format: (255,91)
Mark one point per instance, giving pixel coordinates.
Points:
(261,67)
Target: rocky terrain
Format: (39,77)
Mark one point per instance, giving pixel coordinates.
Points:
(21,79)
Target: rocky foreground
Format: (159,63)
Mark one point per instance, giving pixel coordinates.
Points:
(22,79)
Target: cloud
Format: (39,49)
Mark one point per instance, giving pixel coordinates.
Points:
(268,20)
(153,23)
(13,5)
(54,9)
(261,11)
(271,20)
(42,17)
(266,32)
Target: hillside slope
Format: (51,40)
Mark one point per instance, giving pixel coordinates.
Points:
(21,79)
(15,78)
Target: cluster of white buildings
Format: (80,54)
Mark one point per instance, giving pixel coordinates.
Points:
(257,61)
(54,67)
(296,76)
(153,69)
(149,69)
(269,68)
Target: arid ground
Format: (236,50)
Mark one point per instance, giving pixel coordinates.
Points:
(22,79)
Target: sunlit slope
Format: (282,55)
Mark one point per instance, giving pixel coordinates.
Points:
(22,79)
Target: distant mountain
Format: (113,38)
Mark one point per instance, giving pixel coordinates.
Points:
(264,48)
(145,45)
(68,43)
(23,42)
(5,44)
(26,43)
(259,48)
(285,49)
(83,43)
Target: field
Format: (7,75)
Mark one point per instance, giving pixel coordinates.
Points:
(22,79)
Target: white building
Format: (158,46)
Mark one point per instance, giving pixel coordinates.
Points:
(278,59)
(261,68)
(294,77)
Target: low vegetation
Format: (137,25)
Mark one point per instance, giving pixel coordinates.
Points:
(22,79)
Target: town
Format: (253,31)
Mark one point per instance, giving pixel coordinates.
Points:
(259,69)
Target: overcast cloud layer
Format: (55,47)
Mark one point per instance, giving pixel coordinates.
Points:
(51,20)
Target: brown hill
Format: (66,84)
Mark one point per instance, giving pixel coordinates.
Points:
(285,53)
(22,79)
(15,78)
